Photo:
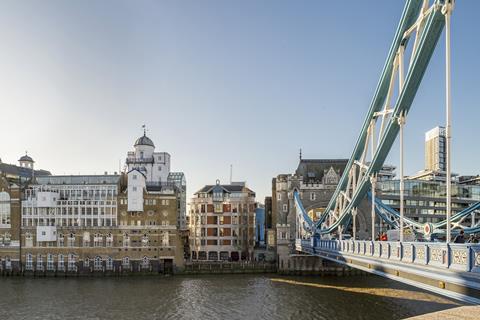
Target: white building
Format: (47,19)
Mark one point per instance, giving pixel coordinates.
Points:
(71,201)
(154,167)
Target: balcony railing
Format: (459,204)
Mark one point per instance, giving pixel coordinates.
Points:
(459,257)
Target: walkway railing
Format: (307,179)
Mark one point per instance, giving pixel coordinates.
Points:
(457,257)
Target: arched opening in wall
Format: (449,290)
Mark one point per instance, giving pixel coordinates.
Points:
(145,262)
(50,262)
(126,262)
(61,262)
(39,262)
(8,263)
(97,264)
(72,262)
(29,262)
(4,209)
(109,264)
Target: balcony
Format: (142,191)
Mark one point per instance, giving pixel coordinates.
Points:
(139,160)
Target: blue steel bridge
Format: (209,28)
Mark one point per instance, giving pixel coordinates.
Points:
(446,268)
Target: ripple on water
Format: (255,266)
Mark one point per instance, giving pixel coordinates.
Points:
(214,297)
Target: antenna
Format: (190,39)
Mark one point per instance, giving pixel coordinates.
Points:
(231,173)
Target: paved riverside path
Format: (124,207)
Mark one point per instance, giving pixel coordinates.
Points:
(466,312)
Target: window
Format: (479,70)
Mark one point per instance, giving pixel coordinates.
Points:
(4,209)
(71,262)
(126,262)
(134,177)
(39,262)
(86,263)
(50,265)
(28,239)
(145,263)
(109,240)
(98,240)
(279,196)
(285,208)
(313,196)
(60,242)
(29,262)
(71,240)
(126,240)
(97,264)
(145,241)
(109,264)
(134,188)
(61,262)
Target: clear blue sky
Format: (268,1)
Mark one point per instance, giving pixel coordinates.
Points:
(246,83)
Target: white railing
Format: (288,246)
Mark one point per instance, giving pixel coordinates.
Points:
(459,257)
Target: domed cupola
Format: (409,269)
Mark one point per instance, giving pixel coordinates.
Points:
(144,147)
(26,161)
(144,141)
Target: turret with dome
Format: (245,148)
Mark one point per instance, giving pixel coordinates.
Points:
(26,161)
(155,165)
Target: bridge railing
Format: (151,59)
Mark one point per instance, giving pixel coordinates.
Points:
(459,257)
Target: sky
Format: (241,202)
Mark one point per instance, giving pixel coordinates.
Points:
(217,83)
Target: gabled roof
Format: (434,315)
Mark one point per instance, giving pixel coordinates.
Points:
(314,169)
(228,188)
(137,170)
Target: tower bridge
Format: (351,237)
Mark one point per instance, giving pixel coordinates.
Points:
(446,268)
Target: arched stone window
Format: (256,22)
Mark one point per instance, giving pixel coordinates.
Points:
(109,240)
(126,262)
(40,262)
(71,262)
(145,240)
(97,264)
(109,264)
(61,262)
(50,265)
(4,209)
(29,262)
(126,240)
(145,262)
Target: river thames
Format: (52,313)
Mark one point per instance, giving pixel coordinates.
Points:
(215,297)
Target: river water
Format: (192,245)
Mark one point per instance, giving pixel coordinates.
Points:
(214,297)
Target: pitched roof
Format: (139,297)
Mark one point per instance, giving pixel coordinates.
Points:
(21,171)
(229,188)
(314,169)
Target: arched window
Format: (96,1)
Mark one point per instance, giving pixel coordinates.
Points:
(29,262)
(126,262)
(39,262)
(8,263)
(97,264)
(145,262)
(60,240)
(71,240)
(4,209)
(109,265)
(50,265)
(71,262)
(126,240)
(145,240)
(61,262)
(109,241)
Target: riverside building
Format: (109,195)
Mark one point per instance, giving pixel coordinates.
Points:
(222,223)
(117,223)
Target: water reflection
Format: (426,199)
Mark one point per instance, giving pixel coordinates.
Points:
(215,297)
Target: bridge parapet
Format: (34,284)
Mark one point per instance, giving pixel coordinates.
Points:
(459,257)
